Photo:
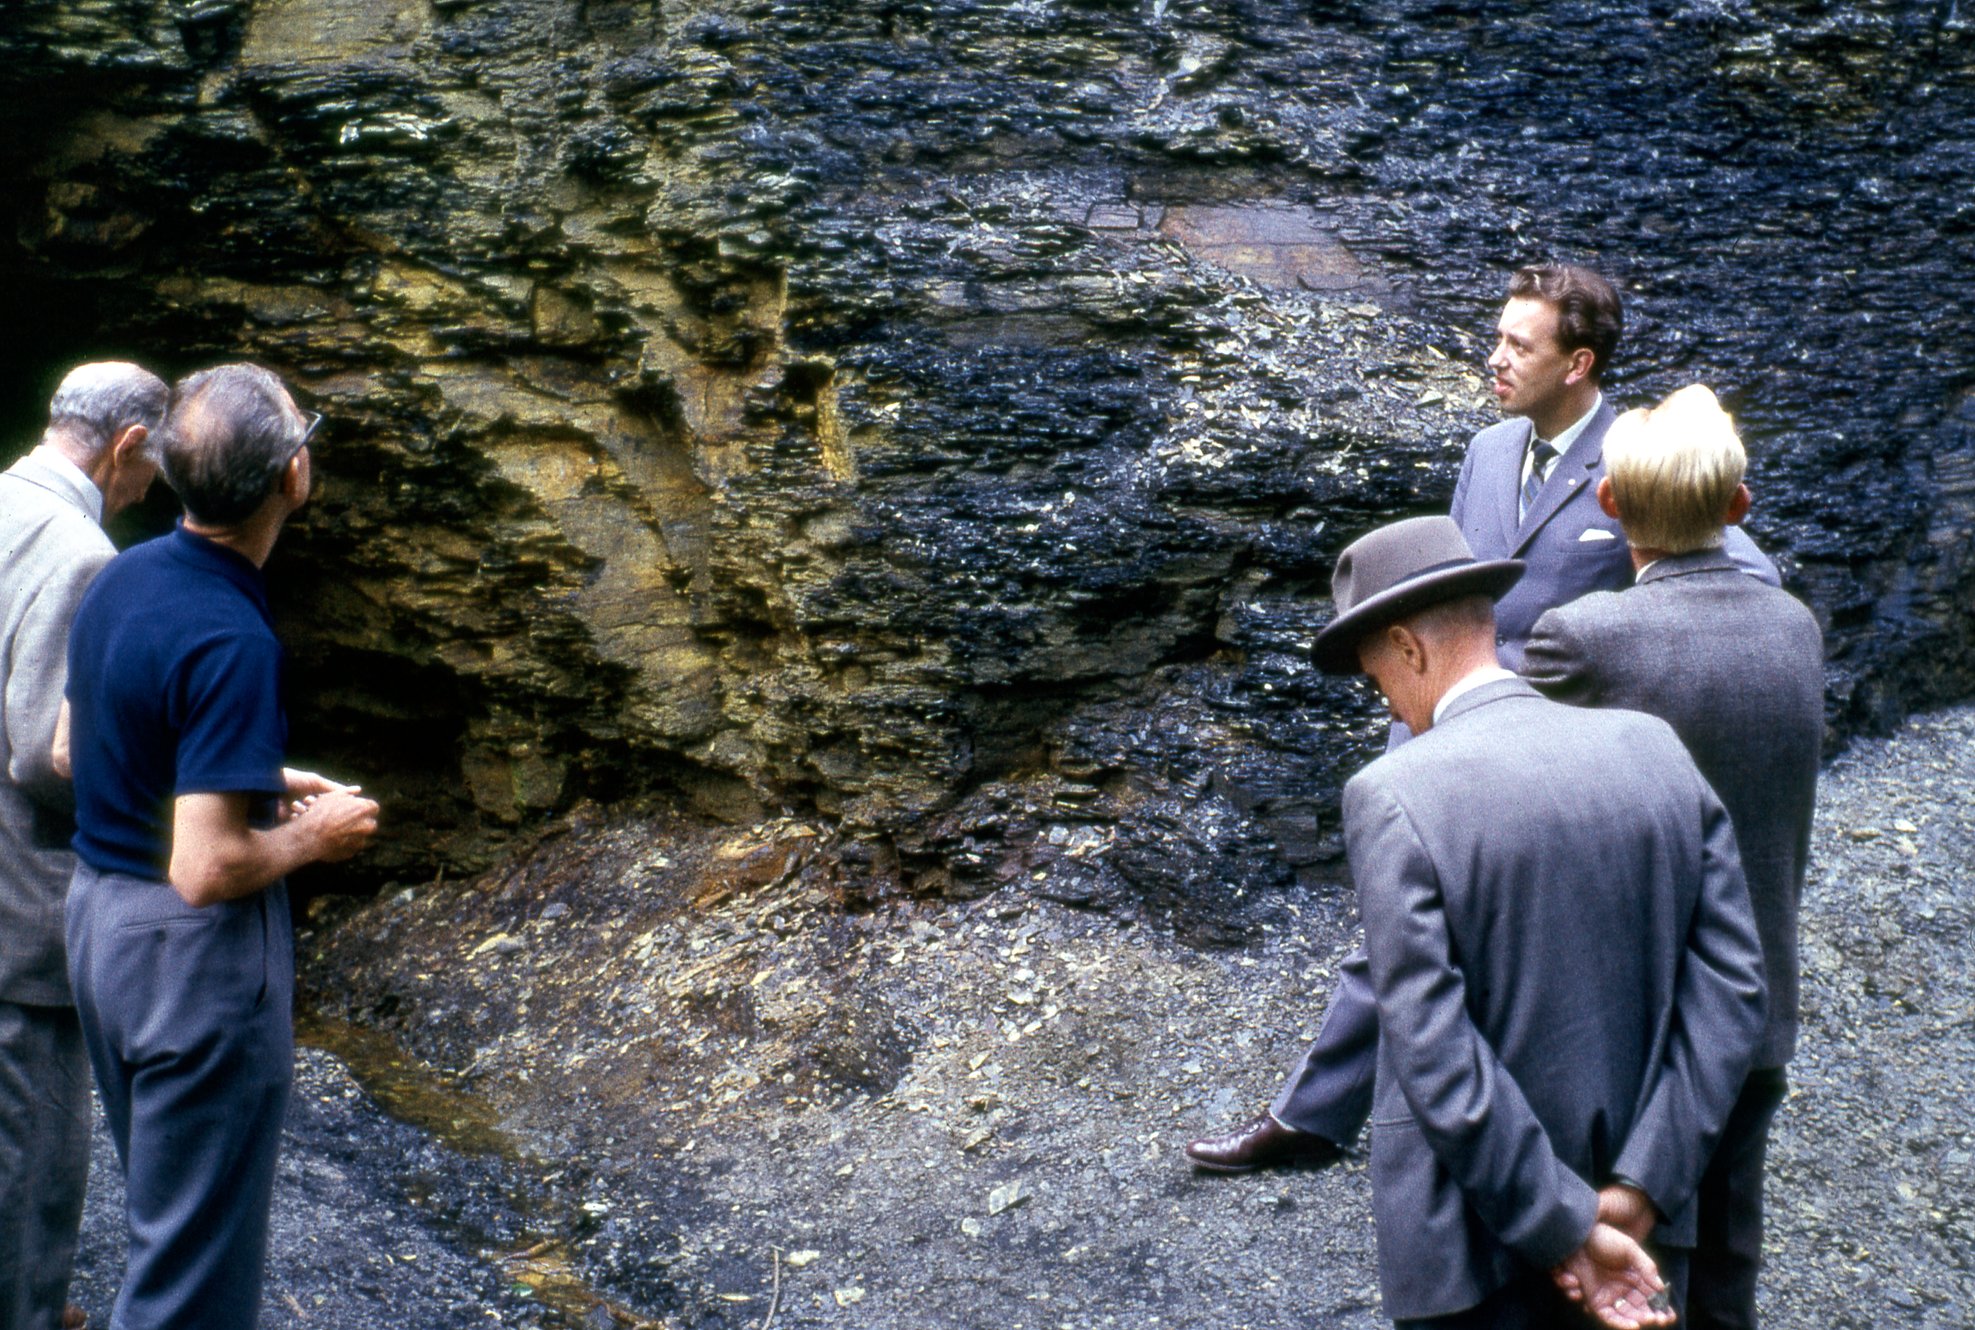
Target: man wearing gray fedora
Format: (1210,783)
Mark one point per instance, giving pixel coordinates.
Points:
(1562,954)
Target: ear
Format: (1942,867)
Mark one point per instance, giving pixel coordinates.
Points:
(1738,507)
(129,445)
(295,479)
(1582,361)
(1606,499)
(1408,645)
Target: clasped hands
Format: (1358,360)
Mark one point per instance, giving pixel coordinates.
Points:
(1611,1276)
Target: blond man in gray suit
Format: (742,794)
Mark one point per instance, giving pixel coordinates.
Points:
(1737,668)
(98,455)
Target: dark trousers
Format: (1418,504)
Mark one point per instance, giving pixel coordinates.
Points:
(1530,1301)
(1728,1251)
(188,1017)
(44,1160)
(1330,1090)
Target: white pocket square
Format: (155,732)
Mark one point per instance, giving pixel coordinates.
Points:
(1594,533)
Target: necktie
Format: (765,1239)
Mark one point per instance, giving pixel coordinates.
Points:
(1540,456)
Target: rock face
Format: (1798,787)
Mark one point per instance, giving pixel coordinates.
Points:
(939,418)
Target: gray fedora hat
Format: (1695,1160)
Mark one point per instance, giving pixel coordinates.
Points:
(1396,570)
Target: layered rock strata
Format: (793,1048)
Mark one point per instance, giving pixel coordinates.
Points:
(939,418)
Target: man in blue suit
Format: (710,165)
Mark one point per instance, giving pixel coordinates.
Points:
(1528,491)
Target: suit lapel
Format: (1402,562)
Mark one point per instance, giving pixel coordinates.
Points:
(1509,499)
(1574,476)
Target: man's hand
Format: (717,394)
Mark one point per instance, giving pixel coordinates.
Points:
(338,822)
(216,855)
(302,789)
(1614,1280)
(58,753)
(1626,1209)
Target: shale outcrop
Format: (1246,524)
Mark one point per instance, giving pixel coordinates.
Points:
(935,420)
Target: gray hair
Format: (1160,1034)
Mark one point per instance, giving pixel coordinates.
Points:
(98,401)
(1463,617)
(232,432)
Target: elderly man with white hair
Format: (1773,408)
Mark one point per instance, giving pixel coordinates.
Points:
(98,455)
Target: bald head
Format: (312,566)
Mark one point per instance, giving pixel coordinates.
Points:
(97,402)
(233,431)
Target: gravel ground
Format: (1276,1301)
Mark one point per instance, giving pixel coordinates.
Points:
(376,1226)
(720,1101)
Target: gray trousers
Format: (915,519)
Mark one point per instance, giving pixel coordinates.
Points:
(44,1160)
(188,1017)
(1728,1255)
(1330,1090)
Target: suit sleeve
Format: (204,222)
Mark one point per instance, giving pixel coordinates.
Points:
(1717,1021)
(1470,1111)
(1458,507)
(38,678)
(1737,546)
(1557,663)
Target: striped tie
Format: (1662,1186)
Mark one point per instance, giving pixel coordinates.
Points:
(1540,457)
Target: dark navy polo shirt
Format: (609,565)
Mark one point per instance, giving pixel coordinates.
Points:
(174,688)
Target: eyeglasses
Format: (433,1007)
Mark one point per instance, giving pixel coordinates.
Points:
(308,432)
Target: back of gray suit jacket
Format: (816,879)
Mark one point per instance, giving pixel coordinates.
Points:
(1563,955)
(1737,668)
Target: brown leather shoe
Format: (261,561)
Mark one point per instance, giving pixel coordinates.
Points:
(1261,1142)
(74,1318)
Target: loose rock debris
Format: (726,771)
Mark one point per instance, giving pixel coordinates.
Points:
(647,1135)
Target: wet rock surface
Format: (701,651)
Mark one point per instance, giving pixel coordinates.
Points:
(935,420)
(971,1115)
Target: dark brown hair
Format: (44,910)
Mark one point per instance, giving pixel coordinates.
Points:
(1587,307)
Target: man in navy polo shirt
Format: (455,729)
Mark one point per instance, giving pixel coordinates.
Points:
(178,935)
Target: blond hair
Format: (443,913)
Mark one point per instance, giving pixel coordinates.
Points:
(1674,469)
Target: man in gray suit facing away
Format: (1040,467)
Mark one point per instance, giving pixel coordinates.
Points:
(97,456)
(1737,668)
(1562,953)
(1527,490)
